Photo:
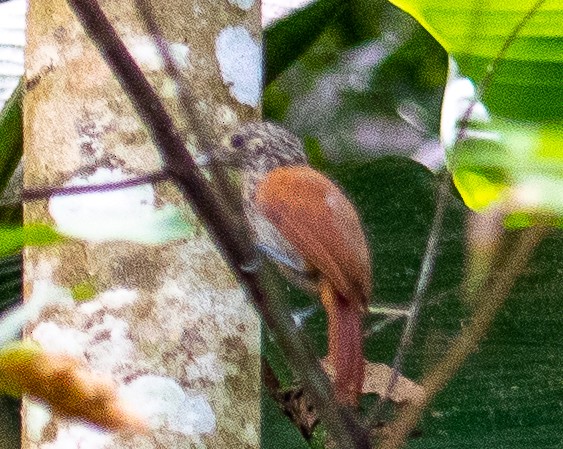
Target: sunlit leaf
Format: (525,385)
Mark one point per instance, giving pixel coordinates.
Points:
(507,96)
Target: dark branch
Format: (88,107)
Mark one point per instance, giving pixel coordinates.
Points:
(222,227)
(46,192)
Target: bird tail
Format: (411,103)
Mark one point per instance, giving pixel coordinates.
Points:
(345,348)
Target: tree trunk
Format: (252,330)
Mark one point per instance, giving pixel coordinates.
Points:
(167,321)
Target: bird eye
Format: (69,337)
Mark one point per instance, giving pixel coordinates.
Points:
(237,141)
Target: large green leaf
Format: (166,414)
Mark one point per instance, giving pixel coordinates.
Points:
(529,79)
(510,55)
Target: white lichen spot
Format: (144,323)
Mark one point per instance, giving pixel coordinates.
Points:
(250,435)
(181,54)
(147,55)
(240,62)
(80,436)
(226,116)
(37,417)
(109,343)
(122,214)
(74,51)
(60,339)
(202,106)
(163,403)
(44,294)
(90,307)
(45,291)
(117,298)
(46,56)
(171,289)
(206,367)
(242,4)
(168,89)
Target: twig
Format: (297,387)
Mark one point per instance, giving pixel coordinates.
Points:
(422,284)
(488,78)
(493,294)
(222,227)
(431,248)
(46,192)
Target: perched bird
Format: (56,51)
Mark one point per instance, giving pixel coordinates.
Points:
(303,221)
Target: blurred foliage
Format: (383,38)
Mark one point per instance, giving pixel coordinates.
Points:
(370,84)
(11,136)
(506,395)
(527,81)
(288,38)
(358,79)
(513,55)
(13,239)
(391,76)
(11,148)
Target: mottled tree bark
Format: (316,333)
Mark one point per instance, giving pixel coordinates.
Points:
(167,321)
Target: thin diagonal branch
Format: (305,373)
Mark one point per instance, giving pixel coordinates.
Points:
(488,78)
(206,137)
(422,284)
(493,294)
(222,227)
(432,244)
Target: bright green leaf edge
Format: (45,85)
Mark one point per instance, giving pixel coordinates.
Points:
(13,239)
(524,168)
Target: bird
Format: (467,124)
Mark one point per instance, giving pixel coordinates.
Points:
(306,224)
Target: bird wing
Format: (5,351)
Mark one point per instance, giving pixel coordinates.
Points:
(314,216)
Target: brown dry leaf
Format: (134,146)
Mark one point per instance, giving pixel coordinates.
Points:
(376,380)
(65,384)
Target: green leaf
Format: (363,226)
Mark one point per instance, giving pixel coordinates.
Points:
(13,355)
(11,136)
(13,239)
(513,166)
(510,54)
(288,38)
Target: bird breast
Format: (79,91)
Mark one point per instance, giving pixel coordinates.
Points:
(271,242)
